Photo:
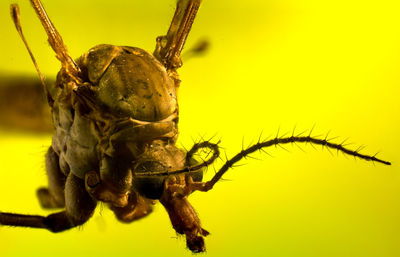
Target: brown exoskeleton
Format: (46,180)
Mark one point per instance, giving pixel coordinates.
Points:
(115,115)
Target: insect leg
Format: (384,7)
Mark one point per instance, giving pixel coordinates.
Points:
(183,217)
(205,186)
(169,47)
(191,186)
(53,196)
(56,42)
(79,208)
(137,207)
(79,204)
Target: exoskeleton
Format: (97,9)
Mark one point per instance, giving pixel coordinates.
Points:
(115,115)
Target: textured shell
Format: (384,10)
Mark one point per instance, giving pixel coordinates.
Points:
(130,82)
(126,82)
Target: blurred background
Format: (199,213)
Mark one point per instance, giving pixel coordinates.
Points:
(272,64)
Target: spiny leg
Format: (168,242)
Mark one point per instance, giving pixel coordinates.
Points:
(53,197)
(206,186)
(260,146)
(79,208)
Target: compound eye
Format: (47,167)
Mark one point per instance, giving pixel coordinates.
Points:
(150,166)
(149,186)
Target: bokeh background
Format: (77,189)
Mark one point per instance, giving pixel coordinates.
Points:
(274,63)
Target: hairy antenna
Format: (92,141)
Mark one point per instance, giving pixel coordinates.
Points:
(285,140)
(260,146)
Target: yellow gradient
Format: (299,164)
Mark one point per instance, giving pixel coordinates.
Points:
(272,64)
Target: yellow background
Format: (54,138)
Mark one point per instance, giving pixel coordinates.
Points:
(273,63)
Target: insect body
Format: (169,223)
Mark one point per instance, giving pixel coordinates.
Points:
(115,117)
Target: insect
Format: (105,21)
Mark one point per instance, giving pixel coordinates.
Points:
(115,114)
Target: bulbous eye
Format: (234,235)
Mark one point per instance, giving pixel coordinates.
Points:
(150,166)
(150,187)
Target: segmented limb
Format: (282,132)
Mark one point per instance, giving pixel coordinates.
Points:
(205,186)
(53,196)
(183,217)
(137,208)
(169,47)
(260,146)
(79,208)
(56,42)
(206,144)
